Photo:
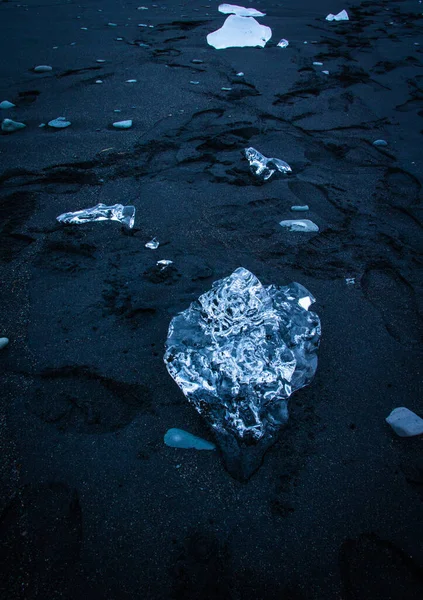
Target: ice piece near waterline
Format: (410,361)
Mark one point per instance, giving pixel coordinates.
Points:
(263,167)
(238,353)
(283,43)
(341,16)
(241,11)
(123,124)
(59,123)
(152,244)
(8,125)
(239,32)
(405,422)
(178,438)
(301,225)
(101,212)
(6,104)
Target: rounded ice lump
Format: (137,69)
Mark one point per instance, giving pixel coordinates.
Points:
(241,350)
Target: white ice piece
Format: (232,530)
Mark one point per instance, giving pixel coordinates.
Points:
(380,143)
(241,11)
(405,422)
(123,124)
(152,244)
(131,81)
(164,263)
(6,104)
(43,69)
(3,342)
(341,16)
(300,208)
(59,123)
(178,438)
(283,43)
(304,225)
(239,32)
(9,125)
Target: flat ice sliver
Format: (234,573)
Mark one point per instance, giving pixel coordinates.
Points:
(228,9)
(241,350)
(239,32)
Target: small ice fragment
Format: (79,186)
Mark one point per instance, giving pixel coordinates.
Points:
(119,39)
(73,44)
(101,212)
(131,81)
(318,64)
(226,89)
(164,263)
(263,167)
(99,81)
(142,25)
(241,11)
(43,69)
(325,72)
(298,208)
(142,8)
(301,225)
(178,438)
(84,28)
(197,61)
(194,82)
(3,342)
(112,24)
(239,32)
(350,280)
(405,422)
(9,125)
(6,104)
(341,16)
(240,74)
(42,125)
(100,60)
(380,143)
(283,43)
(152,244)
(123,124)
(59,123)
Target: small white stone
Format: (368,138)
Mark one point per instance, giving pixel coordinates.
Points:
(3,342)
(9,125)
(6,104)
(404,422)
(59,123)
(123,124)
(43,69)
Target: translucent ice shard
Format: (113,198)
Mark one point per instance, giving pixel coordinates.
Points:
(239,32)
(300,225)
(341,16)
(228,9)
(152,244)
(101,212)
(238,353)
(283,43)
(178,438)
(263,167)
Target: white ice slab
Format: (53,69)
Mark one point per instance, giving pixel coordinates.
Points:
(233,9)
(239,32)
(342,16)
(404,422)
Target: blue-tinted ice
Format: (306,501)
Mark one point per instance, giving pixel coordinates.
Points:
(101,212)
(241,350)
(262,167)
(178,438)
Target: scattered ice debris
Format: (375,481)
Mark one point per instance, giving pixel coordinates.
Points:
(99,81)
(178,438)
(59,123)
(100,60)
(318,64)
(164,263)
(241,11)
(341,16)
(197,61)
(380,143)
(123,124)
(300,208)
(239,32)
(283,43)
(152,244)
(131,81)
(325,72)
(6,104)
(304,225)
(226,89)
(9,125)
(263,167)
(3,342)
(405,422)
(194,82)
(43,69)
(241,350)
(101,212)
(240,74)
(350,280)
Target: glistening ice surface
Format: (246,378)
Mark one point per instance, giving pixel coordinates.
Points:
(262,167)
(101,212)
(241,350)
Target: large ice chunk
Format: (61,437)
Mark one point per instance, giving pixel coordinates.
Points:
(228,9)
(238,353)
(263,167)
(101,212)
(239,32)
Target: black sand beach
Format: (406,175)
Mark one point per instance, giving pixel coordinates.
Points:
(92,503)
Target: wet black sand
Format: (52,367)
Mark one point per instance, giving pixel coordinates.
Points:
(94,505)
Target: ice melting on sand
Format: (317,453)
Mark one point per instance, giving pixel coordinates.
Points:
(300,225)
(228,9)
(239,32)
(341,16)
(262,167)
(239,352)
(178,438)
(101,212)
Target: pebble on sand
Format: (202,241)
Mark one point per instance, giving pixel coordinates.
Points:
(9,126)
(3,342)
(6,104)
(43,69)
(123,124)
(405,422)
(59,123)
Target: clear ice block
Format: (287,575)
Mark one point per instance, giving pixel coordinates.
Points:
(101,212)
(262,167)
